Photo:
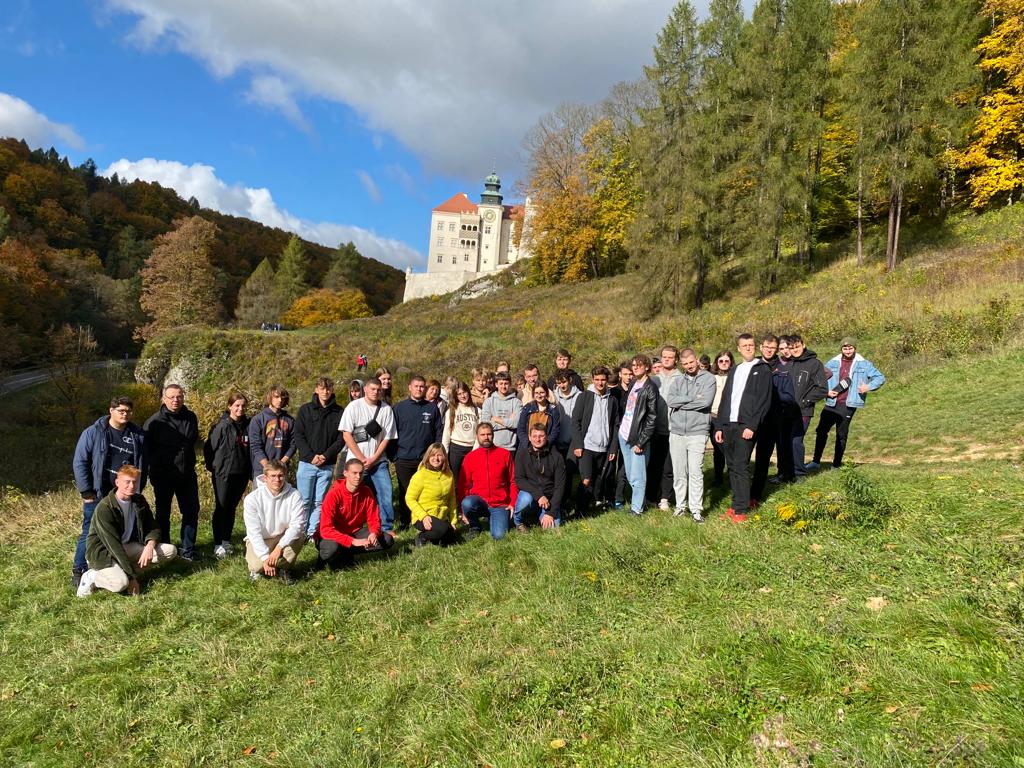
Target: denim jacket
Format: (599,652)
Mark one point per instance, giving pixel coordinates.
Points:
(861,372)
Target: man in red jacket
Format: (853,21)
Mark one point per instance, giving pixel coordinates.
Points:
(349,520)
(487,484)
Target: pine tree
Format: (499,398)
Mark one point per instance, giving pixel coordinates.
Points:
(178,284)
(292,272)
(259,300)
(344,271)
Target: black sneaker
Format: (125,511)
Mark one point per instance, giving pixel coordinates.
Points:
(189,557)
(421,541)
(286,576)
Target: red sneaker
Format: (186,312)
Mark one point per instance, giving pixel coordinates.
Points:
(729,513)
(739,517)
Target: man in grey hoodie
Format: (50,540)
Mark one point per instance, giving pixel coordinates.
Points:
(689,397)
(501,410)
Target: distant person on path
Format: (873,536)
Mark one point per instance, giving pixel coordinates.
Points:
(689,397)
(274,520)
(540,478)
(272,432)
(431,500)
(226,455)
(368,426)
(104,447)
(171,437)
(720,370)
(595,418)
(540,411)
(810,384)
(851,377)
(318,443)
(501,410)
(350,520)
(123,539)
(486,484)
(562,362)
(361,363)
(636,428)
(660,484)
(459,436)
(418,424)
(745,401)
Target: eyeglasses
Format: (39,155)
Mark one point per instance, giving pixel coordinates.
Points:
(123,411)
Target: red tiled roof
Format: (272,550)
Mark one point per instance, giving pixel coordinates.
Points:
(459,203)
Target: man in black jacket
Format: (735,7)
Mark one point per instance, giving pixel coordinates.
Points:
(540,478)
(171,437)
(810,384)
(419,424)
(318,443)
(594,443)
(746,398)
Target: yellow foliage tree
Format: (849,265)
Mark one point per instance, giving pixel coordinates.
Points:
(995,156)
(325,306)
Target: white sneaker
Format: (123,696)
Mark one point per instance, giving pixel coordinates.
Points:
(663,505)
(679,512)
(88,583)
(220,551)
(227,547)
(698,517)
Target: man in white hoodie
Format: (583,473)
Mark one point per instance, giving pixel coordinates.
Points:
(274,523)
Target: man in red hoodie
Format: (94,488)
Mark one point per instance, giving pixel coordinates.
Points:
(487,484)
(349,520)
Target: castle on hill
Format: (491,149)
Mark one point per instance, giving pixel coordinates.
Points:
(468,240)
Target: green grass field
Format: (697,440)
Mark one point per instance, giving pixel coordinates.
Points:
(880,625)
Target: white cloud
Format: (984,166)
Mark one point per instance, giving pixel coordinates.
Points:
(369,185)
(21,120)
(201,181)
(271,91)
(458,83)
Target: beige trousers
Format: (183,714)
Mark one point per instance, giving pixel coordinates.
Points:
(289,555)
(113,579)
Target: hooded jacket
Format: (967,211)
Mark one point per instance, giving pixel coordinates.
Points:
(267,515)
(689,401)
(226,451)
(810,381)
(270,437)
(92,464)
(171,439)
(553,423)
(316,431)
(344,513)
(541,473)
(508,407)
(490,474)
(104,547)
(574,379)
(583,414)
(566,404)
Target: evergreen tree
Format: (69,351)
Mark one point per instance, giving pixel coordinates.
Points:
(344,271)
(130,254)
(292,271)
(178,287)
(259,300)
(5,223)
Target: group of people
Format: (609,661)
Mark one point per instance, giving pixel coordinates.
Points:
(503,452)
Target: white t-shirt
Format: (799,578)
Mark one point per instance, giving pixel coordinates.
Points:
(358,414)
(739,383)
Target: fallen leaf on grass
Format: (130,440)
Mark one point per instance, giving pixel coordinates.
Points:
(330,637)
(481,614)
(816,548)
(981,687)
(242,606)
(8,695)
(557,744)
(765,590)
(876,603)
(310,681)
(272,756)
(249,751)
(590,576)
(891,709)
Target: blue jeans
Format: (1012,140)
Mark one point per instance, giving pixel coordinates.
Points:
(526,503)
(379,477)
(313,483)
(636,473)
(474,508)
(88,507)
(797,441)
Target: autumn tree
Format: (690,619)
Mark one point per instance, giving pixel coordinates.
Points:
(325,306)
(5,223)
(72,350)
(178,283)
(292,276)
(259,300)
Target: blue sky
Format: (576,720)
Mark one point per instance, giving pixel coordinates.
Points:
(340,120)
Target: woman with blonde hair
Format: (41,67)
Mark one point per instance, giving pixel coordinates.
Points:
(431,499)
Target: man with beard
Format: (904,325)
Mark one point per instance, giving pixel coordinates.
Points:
(486,485)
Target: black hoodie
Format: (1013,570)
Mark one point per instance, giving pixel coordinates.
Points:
(810,381)
(226,452)
(171,442)
(541,473)
(316,431)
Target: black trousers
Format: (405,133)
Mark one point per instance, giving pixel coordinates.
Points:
(184,488)
(456,455)
(833,417)
(737,455)
(718,462)
(334,556)
(765,440)
(442,533)
(227,492)
(617,477)
(659,471)
(593,467)
(789,423)
(404,469)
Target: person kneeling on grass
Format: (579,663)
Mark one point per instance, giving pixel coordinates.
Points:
(349,520)
(540,478)
(274,525)
(123,538)
(431,499)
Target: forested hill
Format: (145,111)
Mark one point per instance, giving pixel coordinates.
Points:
(72,244)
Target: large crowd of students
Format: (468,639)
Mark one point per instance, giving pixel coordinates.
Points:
(502,451)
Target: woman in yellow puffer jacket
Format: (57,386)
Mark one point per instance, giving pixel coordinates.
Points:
(431,499)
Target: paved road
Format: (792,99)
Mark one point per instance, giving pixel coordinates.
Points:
(28,379)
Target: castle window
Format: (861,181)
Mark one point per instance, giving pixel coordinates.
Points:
(439,258)
(440,226)
(466,257)
(487,229)
(440,241)
(451,226)
(454,242)
(454,260)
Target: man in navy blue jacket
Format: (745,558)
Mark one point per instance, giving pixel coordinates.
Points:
(103,448)
(419,424)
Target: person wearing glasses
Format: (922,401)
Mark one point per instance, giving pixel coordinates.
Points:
(720,369)
(104,447)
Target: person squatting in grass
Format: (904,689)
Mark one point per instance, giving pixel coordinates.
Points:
(486,485)
(274,524)
(103,448)
(540,478)
(431,499)
(123,539)
(350,520)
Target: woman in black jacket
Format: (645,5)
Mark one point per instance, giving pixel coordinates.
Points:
(227,459)
(636,429)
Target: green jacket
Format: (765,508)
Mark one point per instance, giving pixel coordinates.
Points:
(103,548)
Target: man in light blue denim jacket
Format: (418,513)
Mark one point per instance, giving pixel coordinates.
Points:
(851,377)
